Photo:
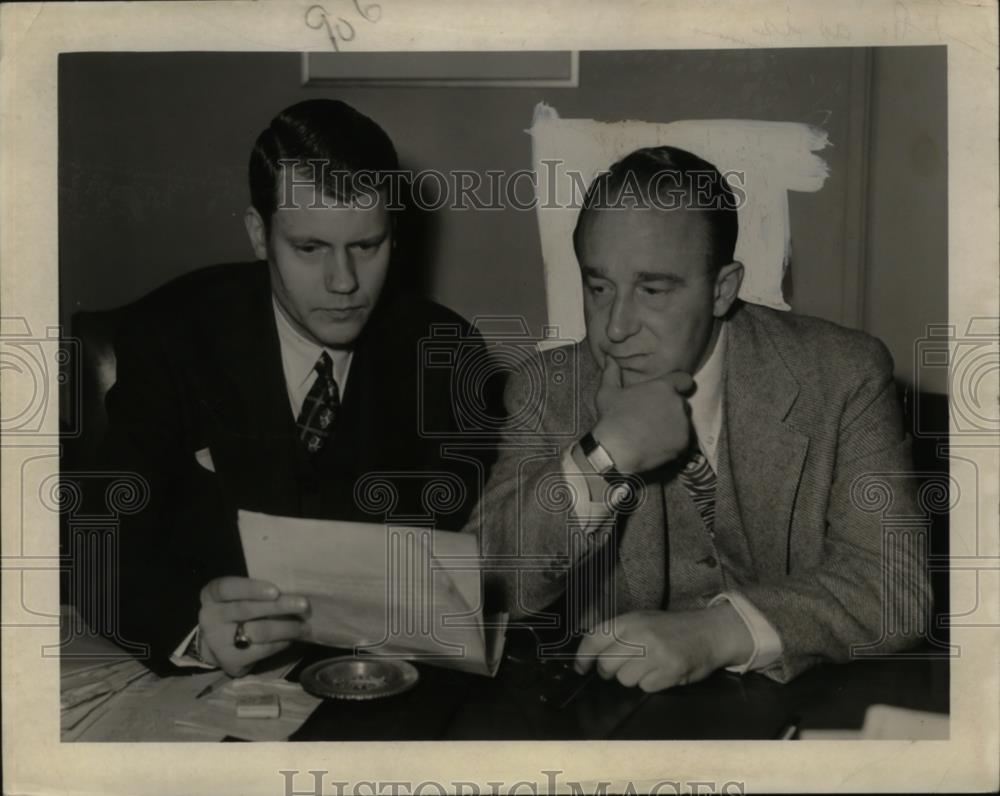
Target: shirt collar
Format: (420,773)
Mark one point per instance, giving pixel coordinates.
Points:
(299,354)
(706,400)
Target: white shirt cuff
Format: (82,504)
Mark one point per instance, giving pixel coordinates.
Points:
(766,642)
(180,656)
(589,508)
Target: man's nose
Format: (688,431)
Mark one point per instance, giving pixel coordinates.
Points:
(338,272)
(622,321)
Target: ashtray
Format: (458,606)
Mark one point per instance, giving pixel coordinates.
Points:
(348,677)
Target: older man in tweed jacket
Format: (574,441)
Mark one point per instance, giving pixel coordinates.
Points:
(689,486)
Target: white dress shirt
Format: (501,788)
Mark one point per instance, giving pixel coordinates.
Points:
(705,403)
(299,356)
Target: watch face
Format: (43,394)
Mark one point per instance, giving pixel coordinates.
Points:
(596,455)
(600,460)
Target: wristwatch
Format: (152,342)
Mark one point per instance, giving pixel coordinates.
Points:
(599,459)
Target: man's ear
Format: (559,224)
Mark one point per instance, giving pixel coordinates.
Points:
(727,287)
(256,232)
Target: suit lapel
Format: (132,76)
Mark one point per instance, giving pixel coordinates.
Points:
(590,379)
(253,406)
(353,446)
(761,457)
(643,549)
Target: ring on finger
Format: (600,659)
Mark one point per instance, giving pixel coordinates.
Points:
(240,638)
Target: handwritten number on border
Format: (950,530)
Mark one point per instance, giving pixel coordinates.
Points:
(372,12)
(341,30)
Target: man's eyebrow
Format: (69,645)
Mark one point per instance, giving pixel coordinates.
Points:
(659,276)
(642,276)
(378,237)
(299,240)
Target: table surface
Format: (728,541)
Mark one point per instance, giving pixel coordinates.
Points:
(542,699)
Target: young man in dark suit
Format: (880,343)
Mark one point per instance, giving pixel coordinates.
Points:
(274,387)
(698,491)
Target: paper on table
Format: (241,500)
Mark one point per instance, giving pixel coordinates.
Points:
(889,723)
(118,699)
(389,590)
(146,711)
(217,711)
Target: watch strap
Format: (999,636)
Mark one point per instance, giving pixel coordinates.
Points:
(599,458)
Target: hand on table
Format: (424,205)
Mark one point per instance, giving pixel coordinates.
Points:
(660,649)
(642,425)
(271,620)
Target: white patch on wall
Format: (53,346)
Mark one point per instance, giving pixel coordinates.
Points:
(772,157)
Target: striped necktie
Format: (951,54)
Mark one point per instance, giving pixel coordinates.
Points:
(699,478)
(319,409)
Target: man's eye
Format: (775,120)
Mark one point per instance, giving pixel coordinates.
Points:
(367,247)
(307,248)
(653,291)
(597,289)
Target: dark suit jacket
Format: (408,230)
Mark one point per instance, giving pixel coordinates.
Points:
(202,369)
(811,432)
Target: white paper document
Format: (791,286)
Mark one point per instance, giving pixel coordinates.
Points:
(217,711)
(890,723)
(388,590)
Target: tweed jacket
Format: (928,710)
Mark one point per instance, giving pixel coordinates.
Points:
(811,424)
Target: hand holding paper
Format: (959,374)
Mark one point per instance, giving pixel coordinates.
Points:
(388,590)
(272,620)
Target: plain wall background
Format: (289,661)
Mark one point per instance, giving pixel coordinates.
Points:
(906,274)
(153,150)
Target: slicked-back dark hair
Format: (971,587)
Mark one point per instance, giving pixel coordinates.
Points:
(670,180)
(329,132)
